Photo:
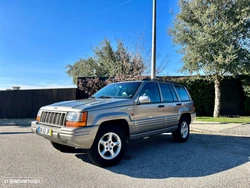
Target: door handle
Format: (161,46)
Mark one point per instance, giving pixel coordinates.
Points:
(178,104)
(160,106)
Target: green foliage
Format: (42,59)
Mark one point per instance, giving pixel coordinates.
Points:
(84,67)
(214,36)
(108,62)
(105,59)
(245,80)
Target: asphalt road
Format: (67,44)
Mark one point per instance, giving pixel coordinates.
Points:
(203,161)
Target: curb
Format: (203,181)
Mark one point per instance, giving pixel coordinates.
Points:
(216,133)
(218,123)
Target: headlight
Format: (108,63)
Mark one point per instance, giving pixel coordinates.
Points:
(73,116)
(75,119)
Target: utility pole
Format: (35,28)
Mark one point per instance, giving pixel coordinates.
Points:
(153,55)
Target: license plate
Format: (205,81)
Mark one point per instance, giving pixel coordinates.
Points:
(44,130)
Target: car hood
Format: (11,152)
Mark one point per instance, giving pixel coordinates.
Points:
(88,104)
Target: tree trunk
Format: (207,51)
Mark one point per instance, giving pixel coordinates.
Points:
(217,99)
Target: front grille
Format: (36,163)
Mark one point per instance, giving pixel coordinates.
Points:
(53,118)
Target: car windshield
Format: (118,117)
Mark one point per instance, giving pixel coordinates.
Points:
(118,90)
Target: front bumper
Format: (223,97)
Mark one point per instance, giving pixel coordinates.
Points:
(75,137)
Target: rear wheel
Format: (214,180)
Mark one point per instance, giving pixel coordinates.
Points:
(182,133)
(109,146)
(62,148)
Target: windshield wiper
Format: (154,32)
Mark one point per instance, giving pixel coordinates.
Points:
(92,97)
(105,97)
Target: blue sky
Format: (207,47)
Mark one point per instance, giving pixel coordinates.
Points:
(38,38)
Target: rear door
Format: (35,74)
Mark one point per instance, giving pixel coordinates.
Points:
(171,104)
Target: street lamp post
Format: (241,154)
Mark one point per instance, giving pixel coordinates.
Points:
(153,56)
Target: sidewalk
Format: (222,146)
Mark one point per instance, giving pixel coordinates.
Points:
(235,129)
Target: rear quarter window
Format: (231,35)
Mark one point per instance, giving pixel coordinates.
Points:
(182,92)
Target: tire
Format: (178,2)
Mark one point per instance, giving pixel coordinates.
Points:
(182,133)
(62,148)
(109,146)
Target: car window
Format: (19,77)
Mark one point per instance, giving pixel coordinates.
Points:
(173,93)
(182,93)
(166,93)
(151,90)
(118,90)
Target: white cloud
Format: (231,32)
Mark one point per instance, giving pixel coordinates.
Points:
(115,6)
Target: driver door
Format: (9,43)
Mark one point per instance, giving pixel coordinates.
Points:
(150,116)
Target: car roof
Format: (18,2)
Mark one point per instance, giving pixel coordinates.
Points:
(149,80)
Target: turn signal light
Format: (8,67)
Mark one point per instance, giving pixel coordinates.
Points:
(75,124)
(38,118)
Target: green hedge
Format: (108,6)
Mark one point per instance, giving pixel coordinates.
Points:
(245,81)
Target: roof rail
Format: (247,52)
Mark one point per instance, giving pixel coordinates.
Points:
(154,79)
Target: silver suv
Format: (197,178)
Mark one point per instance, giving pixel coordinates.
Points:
(119,112)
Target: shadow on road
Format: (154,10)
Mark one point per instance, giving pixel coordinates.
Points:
(15,132)
(20,122)
(19,125)
(160,157)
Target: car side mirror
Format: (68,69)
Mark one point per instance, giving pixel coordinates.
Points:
(143,100)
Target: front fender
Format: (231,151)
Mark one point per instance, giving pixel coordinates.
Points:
(111,116)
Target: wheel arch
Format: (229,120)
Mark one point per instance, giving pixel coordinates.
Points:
(121,123)
(186,115)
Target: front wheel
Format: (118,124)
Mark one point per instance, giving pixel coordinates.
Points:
(182,133)
(109,146)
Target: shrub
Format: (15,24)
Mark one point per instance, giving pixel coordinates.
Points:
(245,80)
(89,85)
